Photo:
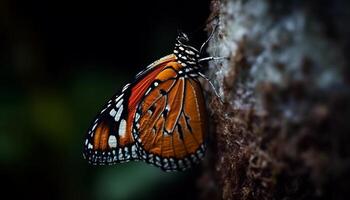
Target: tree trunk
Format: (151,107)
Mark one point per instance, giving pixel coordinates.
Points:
(283,129)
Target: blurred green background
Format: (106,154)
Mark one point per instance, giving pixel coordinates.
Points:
(60,62)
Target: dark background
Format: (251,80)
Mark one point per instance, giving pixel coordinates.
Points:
(60,62)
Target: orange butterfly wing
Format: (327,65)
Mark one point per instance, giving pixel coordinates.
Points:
(170,121)
(160,118)
(109,139)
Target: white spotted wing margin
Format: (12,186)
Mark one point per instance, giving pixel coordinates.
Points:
(114,114)
(101,145)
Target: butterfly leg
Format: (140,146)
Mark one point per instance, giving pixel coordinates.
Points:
(212,86)
(206,59)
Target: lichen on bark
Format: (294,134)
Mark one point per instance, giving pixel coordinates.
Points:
(282,130)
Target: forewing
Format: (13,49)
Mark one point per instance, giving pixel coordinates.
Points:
(109,139)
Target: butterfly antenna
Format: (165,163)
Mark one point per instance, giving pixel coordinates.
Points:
(209,38)
(203,26)
(212,86)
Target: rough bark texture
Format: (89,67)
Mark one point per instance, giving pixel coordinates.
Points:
(283,130)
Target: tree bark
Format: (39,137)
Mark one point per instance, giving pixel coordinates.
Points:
(283,129)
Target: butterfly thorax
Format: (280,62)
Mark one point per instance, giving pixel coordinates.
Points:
(187,56)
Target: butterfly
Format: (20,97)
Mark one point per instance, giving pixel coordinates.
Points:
(159,118)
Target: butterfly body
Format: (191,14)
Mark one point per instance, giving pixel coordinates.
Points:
(159,118)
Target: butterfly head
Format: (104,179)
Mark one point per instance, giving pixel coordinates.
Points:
(184,52)
(182,38)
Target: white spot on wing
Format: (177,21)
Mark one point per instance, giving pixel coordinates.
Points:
(103,110)
(122,128)
(120,155)
(93,128)
(120,96)
(112,141)
(113,112)
(149,89)
(90,146)
(126,87)
(119,103)
(126,153)
(133,151)
(119,113)
(137,116)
